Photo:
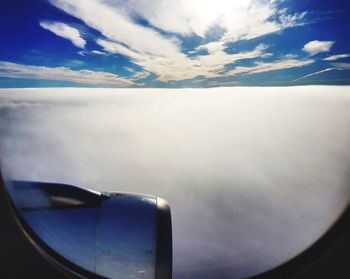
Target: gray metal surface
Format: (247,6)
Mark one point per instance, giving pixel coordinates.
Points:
(126,237)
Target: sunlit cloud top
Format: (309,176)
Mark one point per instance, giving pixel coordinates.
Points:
(173,43)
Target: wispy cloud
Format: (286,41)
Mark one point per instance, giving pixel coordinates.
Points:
(316,73)
(92,52)
(65,31)
(336,67)
(256,21)
(315,47)
(336,57)
(117,26)
(162,54)
(262,67)
(97,52)
(13,70)
(171,69)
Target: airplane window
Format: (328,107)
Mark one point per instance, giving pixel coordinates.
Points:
(236,113)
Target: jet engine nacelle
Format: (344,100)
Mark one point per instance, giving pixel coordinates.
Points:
(92,234)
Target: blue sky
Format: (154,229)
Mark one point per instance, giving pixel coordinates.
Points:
(173,43)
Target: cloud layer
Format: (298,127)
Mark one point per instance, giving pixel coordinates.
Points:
(253,175)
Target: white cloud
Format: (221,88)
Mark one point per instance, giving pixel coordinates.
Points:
(117,26)
(261,67)
(316,73)
(245,18)
(256,21)
(13,70)
(65,31)
(162,55)
(315,47)
(336,57)
(97,52)
(168,15)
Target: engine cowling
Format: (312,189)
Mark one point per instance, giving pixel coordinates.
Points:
(108,235)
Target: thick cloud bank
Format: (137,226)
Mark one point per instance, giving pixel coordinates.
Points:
(253,175)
